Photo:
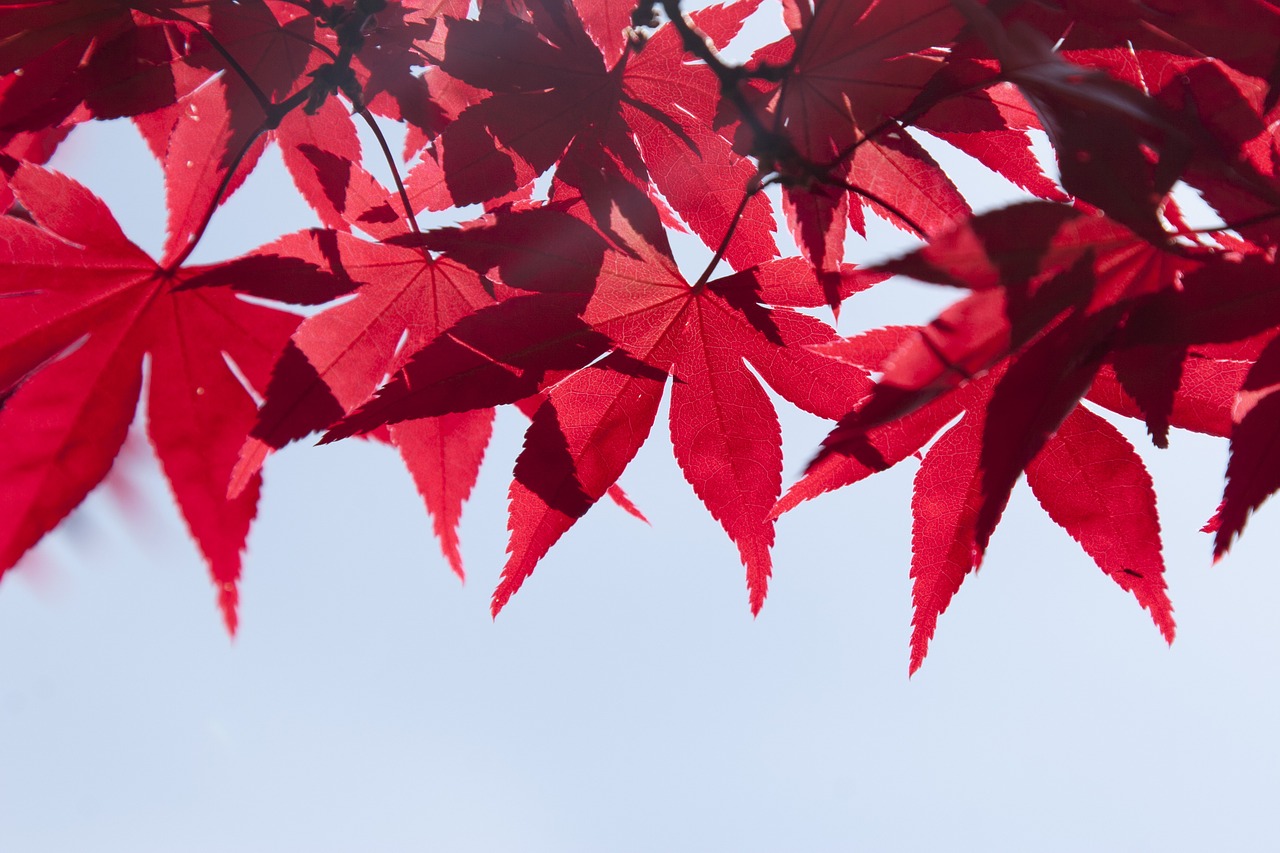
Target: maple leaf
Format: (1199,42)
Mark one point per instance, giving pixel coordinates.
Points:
(1171,28)
(208,85)
(1233,164)
(1015,356)
(556,102)
(1202,401)
(83,308)
(211,137)
(989,124)
(198,82)
(32,147)
(833,121)
(1086,476)
(1101,129)
(1056,261)
(388,63)
(851,452)
(1221,299)
(113,58)
(1128,121)
(1253,472)
(1055,312)
(601,359)
(573,308)
(402,299)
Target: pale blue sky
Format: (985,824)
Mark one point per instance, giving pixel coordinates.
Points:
(625,700)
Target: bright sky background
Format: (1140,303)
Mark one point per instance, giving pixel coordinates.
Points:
(625,700)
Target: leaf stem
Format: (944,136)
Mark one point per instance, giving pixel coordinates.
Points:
(195,238)
(872,197)
(312,94)
(274,115)
(312,43)
(1236,226)
(910,116)
(729,75)
(232,63)
(753,186)
(395,171)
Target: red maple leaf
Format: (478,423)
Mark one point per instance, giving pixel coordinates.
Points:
(1253,472)
(831,120)
(211,137)
(1173,28)
(1031,267)
(1226,114)
(571,306)
(112,57)
(557,102)
(387,66)
(200,82)
(601,361)
(83,307)
(1085,475)
(404,299)
(1050,302)
(1055,311)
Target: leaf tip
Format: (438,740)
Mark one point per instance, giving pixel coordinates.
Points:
(920,637)
(786,502)
(253,454)
(507,587)
(1161,611)
(228,603)
(628,506)
(452,554)
(759,565)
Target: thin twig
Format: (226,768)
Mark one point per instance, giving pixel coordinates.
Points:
(1236,226)
(395,171)
(258,95)
(913,114)
(274,115)
(195,238)
(872,197)
(729,75)
(753,187)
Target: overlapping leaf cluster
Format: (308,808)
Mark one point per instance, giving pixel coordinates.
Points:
(585,131)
